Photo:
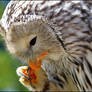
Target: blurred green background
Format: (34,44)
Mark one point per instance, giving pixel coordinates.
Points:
(8,65)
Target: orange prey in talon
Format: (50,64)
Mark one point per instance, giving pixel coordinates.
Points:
(34,66)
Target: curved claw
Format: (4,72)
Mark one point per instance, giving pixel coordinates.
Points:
(27,73)
(20,70)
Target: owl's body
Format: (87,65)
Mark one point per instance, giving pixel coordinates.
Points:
(63,28)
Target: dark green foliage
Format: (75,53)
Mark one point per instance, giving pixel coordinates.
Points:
(8,64)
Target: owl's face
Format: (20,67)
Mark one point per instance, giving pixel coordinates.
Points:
(27,41)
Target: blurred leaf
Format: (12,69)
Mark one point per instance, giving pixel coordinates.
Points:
(8,74)
(1,10)
(1,40)
(8,64)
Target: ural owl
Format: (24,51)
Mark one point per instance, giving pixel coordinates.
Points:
(63,29)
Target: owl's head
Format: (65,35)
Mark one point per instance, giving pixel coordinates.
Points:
(28,39)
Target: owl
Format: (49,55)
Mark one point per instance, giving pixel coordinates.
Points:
(61,28)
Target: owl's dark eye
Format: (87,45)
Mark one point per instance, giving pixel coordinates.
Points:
(33,41)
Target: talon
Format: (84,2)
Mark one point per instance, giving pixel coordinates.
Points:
(24,81)
(21,70)
(24,71)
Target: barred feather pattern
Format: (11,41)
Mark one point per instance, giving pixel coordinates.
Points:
(73,19)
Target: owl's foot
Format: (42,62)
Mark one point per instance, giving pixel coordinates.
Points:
(27,75)
(33,80)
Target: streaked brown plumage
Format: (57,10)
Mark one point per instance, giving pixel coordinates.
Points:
(63,28)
